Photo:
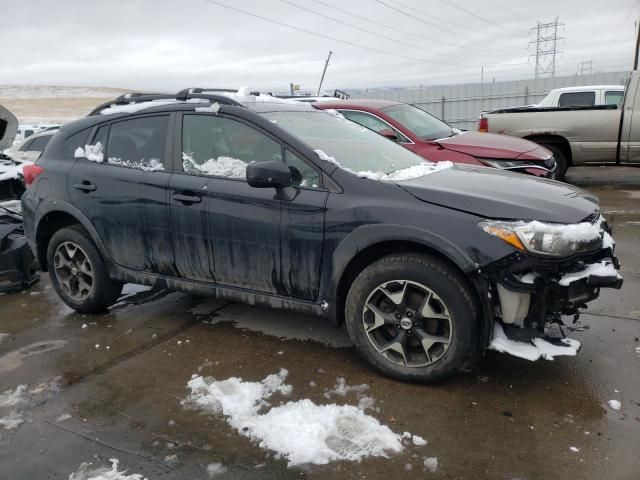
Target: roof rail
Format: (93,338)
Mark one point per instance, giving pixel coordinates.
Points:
(182,95)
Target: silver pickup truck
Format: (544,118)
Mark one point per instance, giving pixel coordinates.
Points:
(577,135)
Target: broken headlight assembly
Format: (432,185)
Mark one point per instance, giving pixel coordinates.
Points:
(547,239)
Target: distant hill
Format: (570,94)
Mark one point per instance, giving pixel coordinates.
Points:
(51,104)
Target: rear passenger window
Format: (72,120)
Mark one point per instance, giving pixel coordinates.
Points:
(577,99)
(613,98)
(137,143)
(77,140)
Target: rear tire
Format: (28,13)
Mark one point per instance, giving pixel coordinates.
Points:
(78,272)
(562,163)
(413,317)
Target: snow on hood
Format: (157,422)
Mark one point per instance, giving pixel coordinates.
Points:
(415,171)
(8,128)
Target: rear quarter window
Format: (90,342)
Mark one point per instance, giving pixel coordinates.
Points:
(76,140)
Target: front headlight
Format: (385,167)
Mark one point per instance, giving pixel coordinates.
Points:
(556,240)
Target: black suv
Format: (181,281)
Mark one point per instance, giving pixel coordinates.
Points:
(270,202)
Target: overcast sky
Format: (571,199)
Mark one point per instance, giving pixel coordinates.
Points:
(170,44)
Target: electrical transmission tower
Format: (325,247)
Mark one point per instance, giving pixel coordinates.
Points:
(586,67)
(546,42)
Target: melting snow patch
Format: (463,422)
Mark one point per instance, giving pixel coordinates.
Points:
(92,153)
(604,268)
(578,232)
(418,441)
(539,349)
(136,107)
(88,472)
(214,469)
(213,108)
(431,464)
(218,167)
(12,171)
(409,173)
(301,431)
(614,404)
(574,449)
(341,388)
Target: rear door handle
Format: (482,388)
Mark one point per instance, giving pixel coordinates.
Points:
(186,199)
(85,186)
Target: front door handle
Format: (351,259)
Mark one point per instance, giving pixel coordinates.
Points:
(85,186)
(186,199)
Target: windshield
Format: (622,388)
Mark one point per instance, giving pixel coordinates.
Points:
(354,147)
(423,125)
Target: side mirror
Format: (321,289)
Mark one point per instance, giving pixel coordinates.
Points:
(388,133)
(268,173)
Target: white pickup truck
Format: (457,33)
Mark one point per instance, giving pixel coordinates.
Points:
(584,96)
(600,134)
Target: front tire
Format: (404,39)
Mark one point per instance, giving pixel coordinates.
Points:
(78,273)
(562,163)
(412,317)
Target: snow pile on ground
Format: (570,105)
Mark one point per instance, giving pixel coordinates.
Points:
(414,171)
(342,389)
(220,167)
(14,403)
(88,472)
(92,153)
(603,268)
(215,469)
(301,431)
(614,404)
(431,464)
(539,349)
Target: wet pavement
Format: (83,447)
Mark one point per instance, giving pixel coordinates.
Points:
(111,386)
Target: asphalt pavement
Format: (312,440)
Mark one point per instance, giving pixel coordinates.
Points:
(112,386)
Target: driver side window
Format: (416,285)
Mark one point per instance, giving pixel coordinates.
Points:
(372,123)
(221,147)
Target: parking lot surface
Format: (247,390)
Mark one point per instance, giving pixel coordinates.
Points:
(113,386)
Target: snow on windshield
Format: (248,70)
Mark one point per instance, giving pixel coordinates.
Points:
(414,171)
(219,167)
(301,431)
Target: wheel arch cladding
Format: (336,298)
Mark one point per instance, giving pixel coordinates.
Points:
(52,221)
(372,242)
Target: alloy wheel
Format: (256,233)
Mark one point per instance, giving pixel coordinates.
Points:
(73,270)
(407,323)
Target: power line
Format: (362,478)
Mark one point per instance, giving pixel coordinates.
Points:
(451,3)
(377,34)
(381,24)
(513,12)
(328,37)
(615,39)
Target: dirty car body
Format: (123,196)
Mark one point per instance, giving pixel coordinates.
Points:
(308,236)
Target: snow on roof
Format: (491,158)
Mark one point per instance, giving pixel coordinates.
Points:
(136,107)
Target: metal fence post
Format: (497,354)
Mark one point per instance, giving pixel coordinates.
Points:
(526,95)
(442,116)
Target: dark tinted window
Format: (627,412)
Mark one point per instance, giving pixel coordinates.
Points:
(577,99)
(26,146)
(302,173)
(38,144)
(77,140)
(138,143)
(218,146)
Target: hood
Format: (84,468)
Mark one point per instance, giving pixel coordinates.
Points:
(499,194)
(487,145)
(8,128)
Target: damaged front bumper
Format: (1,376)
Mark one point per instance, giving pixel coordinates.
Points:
(530,295)
(17,264)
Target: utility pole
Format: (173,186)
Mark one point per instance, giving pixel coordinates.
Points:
(326,64)
(635,58)
(546,43)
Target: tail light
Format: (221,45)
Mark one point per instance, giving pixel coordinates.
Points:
(30,173)
(483,125)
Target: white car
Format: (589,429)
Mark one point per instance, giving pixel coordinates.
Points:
(31,148)
(25,131)
(586,96)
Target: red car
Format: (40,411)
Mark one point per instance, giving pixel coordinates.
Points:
(436,141)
